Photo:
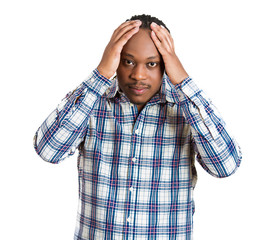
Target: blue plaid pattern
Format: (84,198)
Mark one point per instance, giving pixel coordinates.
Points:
(136,171)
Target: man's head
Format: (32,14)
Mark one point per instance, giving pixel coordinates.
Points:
(141,67)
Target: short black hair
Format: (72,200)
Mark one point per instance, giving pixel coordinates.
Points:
(147,20)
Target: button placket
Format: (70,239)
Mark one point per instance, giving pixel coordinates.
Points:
(132,176)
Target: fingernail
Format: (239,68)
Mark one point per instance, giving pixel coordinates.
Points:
(154,24)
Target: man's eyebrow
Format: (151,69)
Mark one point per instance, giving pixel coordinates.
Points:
(153,57)
(131,56)
(128,55)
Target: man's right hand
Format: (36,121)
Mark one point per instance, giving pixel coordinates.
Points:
(111,56)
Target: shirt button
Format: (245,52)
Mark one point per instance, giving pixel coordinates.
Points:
(134,159)
(131,189)
(128,219)
(136,131)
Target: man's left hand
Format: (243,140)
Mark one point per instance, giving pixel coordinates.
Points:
(165,45)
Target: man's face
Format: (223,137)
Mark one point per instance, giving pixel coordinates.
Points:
(141,69)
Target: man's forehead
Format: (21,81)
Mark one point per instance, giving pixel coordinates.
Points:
(141,45)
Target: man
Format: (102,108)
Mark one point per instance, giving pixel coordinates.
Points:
(138,135)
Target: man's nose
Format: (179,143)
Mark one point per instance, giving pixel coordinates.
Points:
(139,72)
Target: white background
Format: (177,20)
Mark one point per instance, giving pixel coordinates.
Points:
(48,47)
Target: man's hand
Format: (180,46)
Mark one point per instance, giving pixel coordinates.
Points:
(111,56)
(165,45)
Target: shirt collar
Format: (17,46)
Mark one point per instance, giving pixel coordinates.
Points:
(167,92)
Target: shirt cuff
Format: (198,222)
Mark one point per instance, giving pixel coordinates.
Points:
(97,83)
(187,88)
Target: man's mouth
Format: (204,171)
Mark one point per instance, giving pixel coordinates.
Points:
(138,90)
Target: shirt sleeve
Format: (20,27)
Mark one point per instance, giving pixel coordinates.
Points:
(61,133)
(216,150)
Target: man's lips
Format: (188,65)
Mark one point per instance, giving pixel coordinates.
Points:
(138,90)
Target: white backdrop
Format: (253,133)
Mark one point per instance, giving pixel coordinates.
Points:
(48,47)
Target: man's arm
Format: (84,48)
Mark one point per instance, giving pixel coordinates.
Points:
(217,151)
(65,128)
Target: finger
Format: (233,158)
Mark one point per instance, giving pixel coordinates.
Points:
(125,38)
(124,28)
(163,35)
(125,34)
(163,47)
(165,38)
(156,41)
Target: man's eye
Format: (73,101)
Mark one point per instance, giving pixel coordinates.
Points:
(152,64)
(128,62)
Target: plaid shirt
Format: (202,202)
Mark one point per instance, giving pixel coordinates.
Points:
(136,170)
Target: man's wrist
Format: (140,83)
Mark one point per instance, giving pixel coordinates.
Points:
(179,77)
(104,73)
